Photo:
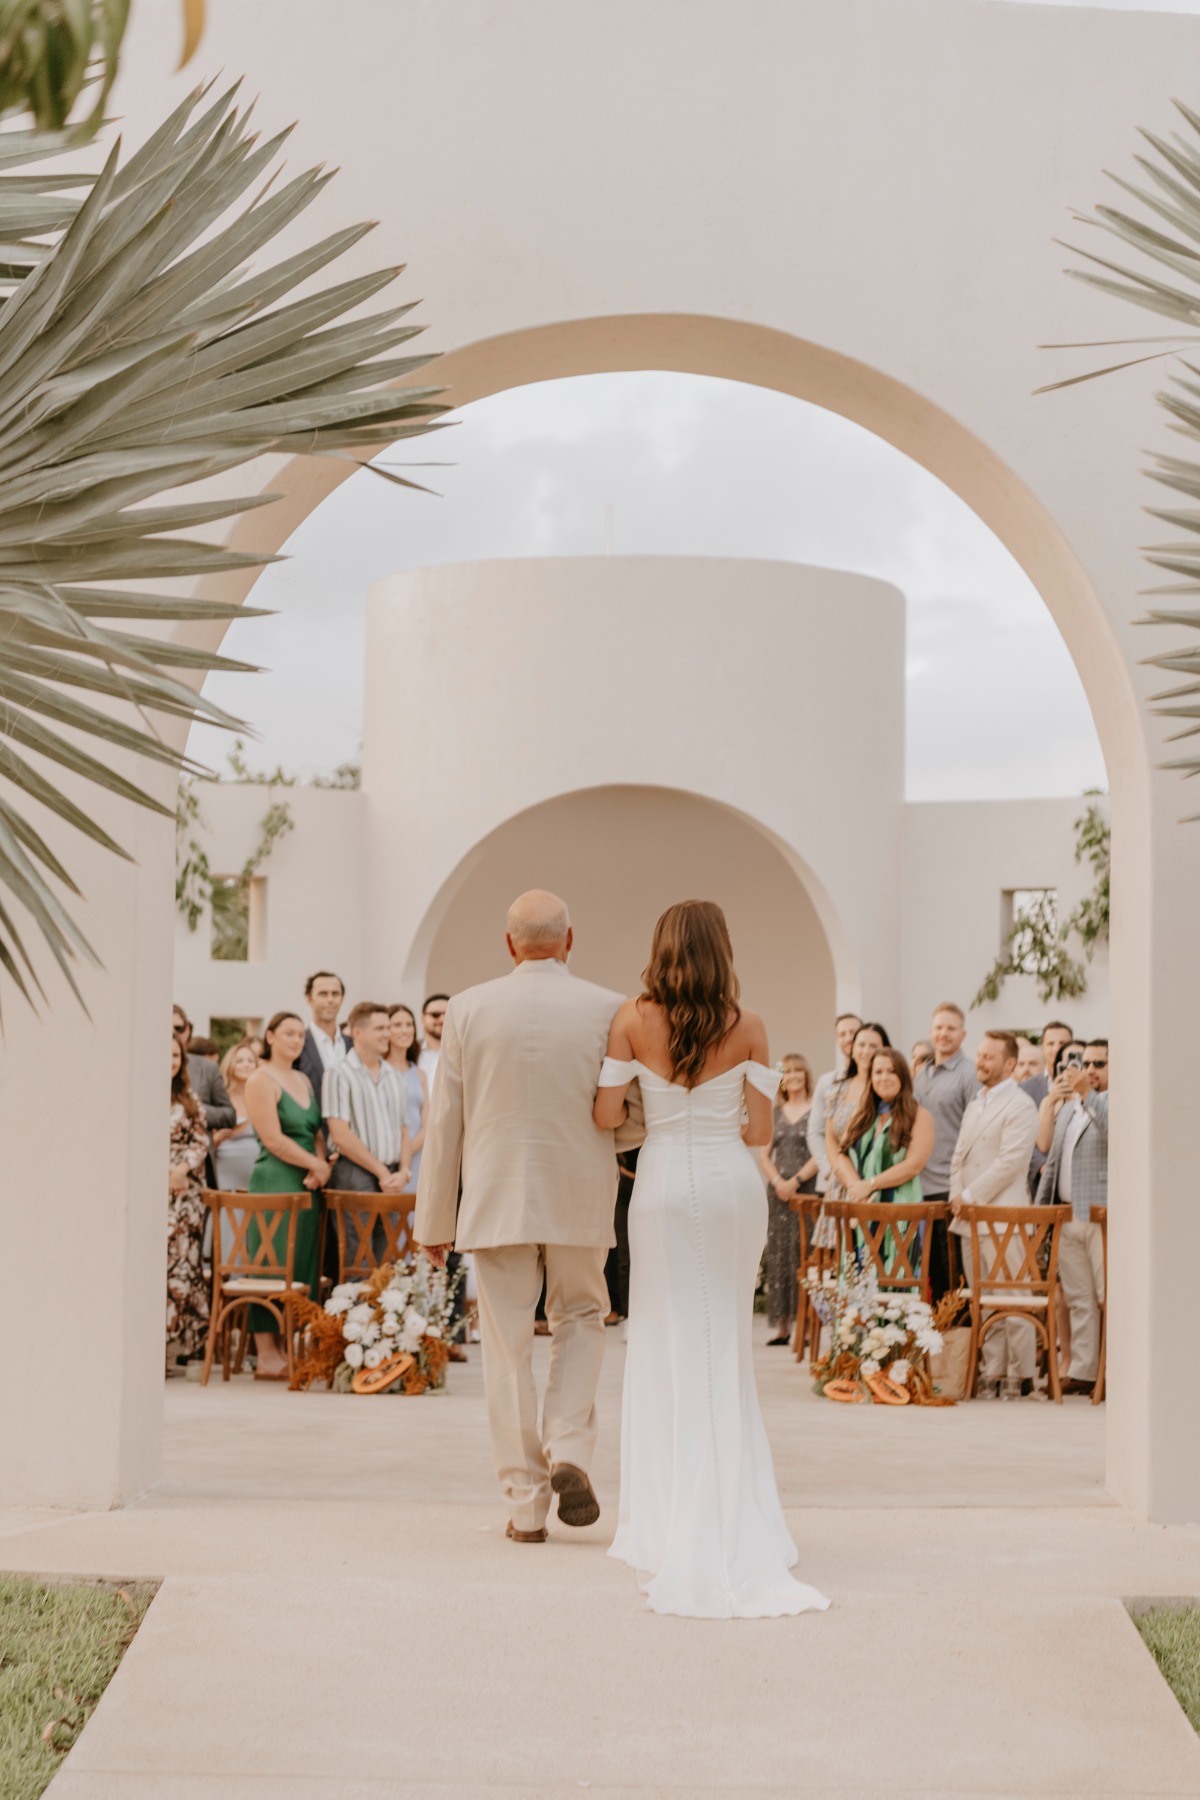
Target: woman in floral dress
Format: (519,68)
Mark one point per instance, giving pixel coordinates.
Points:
(187,1290)
(791,1171)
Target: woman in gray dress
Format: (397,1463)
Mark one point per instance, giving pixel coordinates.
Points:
(403,1053)
(791,1170)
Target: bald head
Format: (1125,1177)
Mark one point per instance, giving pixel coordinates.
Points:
(538,926)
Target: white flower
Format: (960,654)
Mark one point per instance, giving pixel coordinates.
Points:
(414,1321)
(898,1371)
(389,1326)
(433,1331)
(361,1313)
(338,1303)
(374,1356)
(392,1300)
(870,1366)
(354,1355)
(370,1333)
(352,1330)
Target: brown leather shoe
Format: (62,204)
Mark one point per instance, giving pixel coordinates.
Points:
(456,1353)
(526,1537)
(541,1328)
(577,1502)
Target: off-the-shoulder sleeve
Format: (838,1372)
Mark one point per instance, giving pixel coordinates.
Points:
(616,1074)
(764,1079)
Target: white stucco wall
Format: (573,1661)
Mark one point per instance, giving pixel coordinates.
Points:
(748,786)
(854,203)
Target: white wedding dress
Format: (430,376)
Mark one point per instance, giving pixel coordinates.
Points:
(699,1519)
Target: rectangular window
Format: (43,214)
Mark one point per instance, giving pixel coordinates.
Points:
(1032,914)
(239,918)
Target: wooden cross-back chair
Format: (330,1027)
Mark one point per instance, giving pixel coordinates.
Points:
(815,1259)
(1099,1216)
(246,1274)
(1009,1245)
(883,1231)
(356,1219)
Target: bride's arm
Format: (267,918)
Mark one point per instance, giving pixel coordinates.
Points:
(760,1120)
(609,1110)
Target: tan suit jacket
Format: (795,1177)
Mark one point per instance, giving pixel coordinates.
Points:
(512,1107)
(991,1157)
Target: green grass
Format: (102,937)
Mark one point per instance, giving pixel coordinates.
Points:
(60,1644)
(1172,1636)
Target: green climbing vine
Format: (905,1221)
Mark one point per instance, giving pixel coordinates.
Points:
(1038,943)
(225,897)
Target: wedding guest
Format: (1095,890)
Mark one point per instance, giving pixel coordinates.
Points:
(846,1096)
(791,1170)
(1076,1175)
(235,1147)
(922,1053)
(205,1047)
(1055,1038)
(205,1079)
(844,1028)
(433,1020)
(324,1044)
(286,1114)
(946,1086)
(989,1168)
(1057,1094)
(364,1103)
(616,1266)
(187,1290)
(1029,1062)
(889,1137)
(404,1055)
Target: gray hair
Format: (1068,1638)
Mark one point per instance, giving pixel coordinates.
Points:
(538,920)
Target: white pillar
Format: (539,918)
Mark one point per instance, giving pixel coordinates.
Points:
(84,1110)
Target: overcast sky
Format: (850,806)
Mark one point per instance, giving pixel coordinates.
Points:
(691,466)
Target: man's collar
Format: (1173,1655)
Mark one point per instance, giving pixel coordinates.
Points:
(951,1062)
(541,962)
(332,1035)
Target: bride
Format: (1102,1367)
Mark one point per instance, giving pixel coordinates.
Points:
(700,1518)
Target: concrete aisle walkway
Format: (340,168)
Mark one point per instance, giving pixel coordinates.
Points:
(342,1617)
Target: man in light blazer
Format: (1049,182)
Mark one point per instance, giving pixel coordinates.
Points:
(1076,1175)
(990,1167)
(512,1108)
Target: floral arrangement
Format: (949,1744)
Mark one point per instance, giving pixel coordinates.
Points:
(879,1342)
(398,1319)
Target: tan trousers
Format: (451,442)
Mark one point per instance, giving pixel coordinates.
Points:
(509,1281)
(1081,1271)
(1010,1348)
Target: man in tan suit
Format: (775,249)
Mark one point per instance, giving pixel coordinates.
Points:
(512,1108)
(990,1168)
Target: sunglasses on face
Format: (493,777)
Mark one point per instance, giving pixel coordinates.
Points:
(1095,1065)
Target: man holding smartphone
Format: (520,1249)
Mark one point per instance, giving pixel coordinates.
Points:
(1076,1175)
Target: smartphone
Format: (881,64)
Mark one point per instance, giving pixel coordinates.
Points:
(1072,1060)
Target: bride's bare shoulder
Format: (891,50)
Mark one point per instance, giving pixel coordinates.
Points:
(752,1034)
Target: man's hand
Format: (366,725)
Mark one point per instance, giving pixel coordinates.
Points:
(437,1253)
(392,1184)
(1077,1082)
(956,1204)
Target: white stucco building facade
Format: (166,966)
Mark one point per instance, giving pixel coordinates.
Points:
(642,730)
(856,204)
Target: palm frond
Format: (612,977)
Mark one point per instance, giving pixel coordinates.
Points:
(140,354)
(1168,239)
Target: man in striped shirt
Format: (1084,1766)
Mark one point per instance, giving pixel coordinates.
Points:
(364,1101)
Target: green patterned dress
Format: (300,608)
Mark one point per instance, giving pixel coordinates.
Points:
(271,1176)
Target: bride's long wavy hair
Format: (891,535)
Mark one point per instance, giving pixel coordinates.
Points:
(691,976)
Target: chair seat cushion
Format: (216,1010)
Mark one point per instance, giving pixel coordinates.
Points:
(249,1284)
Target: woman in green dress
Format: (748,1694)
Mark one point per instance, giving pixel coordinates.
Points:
(286,1114)
(889,1139)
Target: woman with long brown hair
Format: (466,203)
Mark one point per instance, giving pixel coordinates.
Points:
(889,1139)
(699,1511)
